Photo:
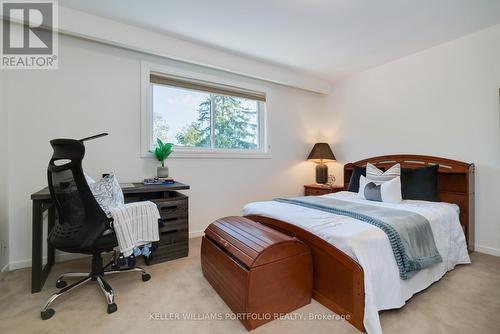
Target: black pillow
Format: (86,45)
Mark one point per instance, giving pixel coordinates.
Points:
(354,181)
(419,183)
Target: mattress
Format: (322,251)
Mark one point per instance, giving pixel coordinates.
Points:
(370,247)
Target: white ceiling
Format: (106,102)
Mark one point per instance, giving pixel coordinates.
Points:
(329,39)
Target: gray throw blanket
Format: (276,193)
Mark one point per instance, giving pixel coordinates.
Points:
(409,233)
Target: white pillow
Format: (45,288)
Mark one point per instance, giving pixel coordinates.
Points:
(107,192)
(388,191)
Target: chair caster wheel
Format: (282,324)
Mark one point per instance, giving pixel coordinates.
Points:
(112,308)
(61,284)
(47,314)
(146,277)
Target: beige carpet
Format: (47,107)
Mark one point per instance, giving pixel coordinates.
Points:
(466,300)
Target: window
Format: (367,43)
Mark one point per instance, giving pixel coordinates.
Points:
(204,118)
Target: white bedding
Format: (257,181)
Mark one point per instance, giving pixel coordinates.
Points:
(370,247)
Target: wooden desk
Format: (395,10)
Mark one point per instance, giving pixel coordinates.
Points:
(173,208)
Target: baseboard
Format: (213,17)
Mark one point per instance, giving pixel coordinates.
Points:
(5,268)
(60,257)
(487,250)
(195,234)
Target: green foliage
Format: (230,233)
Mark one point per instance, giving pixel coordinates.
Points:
(198,133)
(234,127)
(163,151)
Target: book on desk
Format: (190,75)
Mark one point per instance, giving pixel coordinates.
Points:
(158,181)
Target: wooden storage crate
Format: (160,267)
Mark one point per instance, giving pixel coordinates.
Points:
(260,273)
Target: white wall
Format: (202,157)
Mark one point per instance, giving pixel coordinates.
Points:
(4,216)
(443,101)
(97,89)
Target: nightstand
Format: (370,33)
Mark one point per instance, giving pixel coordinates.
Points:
(320,189)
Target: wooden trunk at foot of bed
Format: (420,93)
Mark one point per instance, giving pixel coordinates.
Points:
(338,279)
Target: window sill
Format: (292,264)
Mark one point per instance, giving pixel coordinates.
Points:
(206,154)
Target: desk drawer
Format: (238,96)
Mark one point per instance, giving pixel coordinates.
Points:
(172,234)
(174,221)
(172,208)
(170,252)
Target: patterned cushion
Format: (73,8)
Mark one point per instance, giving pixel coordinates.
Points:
(108,193)
(378,176)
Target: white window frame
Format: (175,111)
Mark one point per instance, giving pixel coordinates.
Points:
(264,151)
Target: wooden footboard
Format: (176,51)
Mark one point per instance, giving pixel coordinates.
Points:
(338,279)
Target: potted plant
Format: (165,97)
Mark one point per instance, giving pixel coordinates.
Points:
(161,153)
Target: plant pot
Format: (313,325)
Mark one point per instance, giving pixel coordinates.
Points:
(162,171)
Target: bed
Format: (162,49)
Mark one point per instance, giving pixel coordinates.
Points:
(348,279)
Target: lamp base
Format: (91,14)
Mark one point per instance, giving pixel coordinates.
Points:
(321,173)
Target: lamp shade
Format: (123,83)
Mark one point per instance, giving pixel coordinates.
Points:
(321,152)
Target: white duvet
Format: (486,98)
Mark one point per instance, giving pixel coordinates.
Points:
(370,247)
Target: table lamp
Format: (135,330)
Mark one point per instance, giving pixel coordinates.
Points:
(321,153)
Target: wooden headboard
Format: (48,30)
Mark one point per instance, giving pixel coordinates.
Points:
(455,183)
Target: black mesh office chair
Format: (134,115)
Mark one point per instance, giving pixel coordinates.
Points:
(81,222)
